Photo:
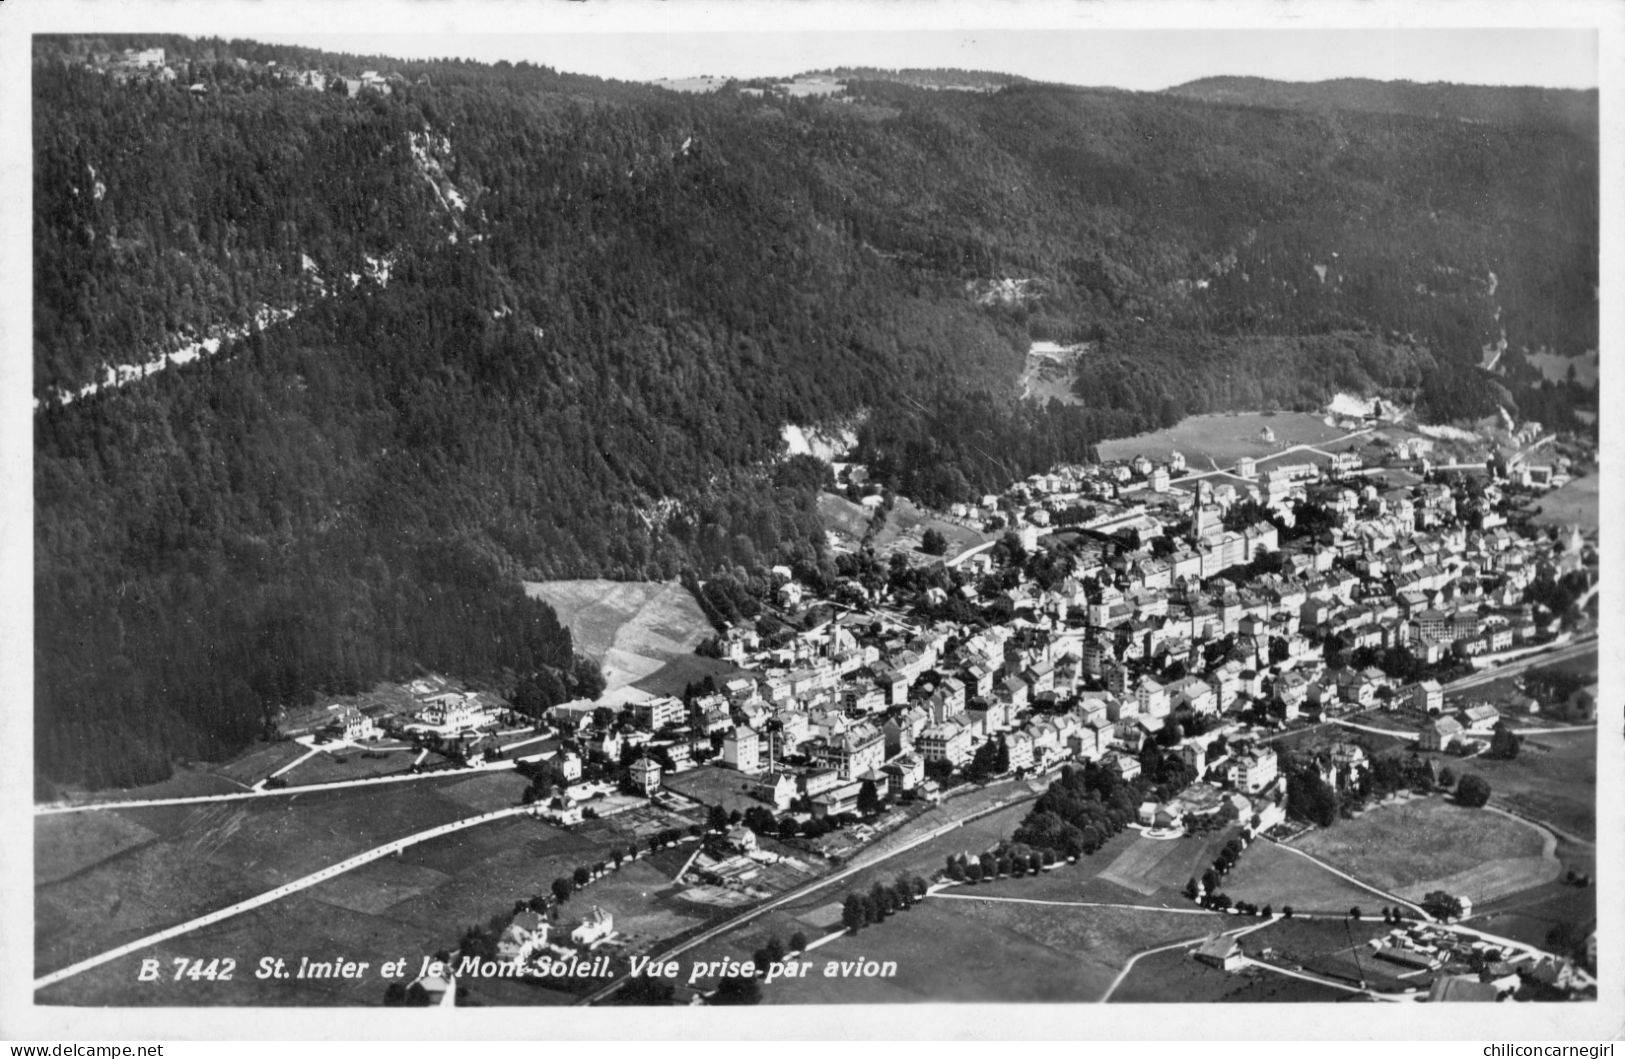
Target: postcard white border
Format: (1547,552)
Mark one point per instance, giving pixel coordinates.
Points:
(20,1019)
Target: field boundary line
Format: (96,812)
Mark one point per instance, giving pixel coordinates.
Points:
(295,788)
(1072,904)
(1551,830)
(1357,882)
(289,767)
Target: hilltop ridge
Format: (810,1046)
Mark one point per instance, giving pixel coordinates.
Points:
(533,324)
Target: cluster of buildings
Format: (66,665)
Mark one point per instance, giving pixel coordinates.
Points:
(1196,612)
(433,707)
(155,64)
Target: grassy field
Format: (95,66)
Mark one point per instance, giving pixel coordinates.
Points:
(193,859)
(72,842)
(631,628)
(398,907)
(676,675)
(1270,875)
(188,781)
(344,763)
(1149,866)
(1319,737)
(1577,501)
(1092,879)
(1223,438)
(1431,843)
(906,525)
(1074,950)
(1553,779)
(259,762)
(1580,665)
(976,951)
(842,516)
(1555,367)
(1531,915)
(904,528)
(710,785)
(1301,940)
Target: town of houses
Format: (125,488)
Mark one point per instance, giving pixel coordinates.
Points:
(1169,608)
(154,64)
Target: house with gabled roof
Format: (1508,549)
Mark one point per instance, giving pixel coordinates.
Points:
(1439,734)
(1221,952)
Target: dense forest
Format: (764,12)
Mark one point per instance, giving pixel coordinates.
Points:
(601,303)
(1499,105)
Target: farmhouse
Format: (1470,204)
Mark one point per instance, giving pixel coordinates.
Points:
(1221,952)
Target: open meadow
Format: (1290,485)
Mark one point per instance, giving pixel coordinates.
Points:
(991,952)
(1542,914)
(630,628)
(1059,936)
(1577,501)
(903,530)
(712,785)
(1426,844)
(1224,438)
(1314,738)
(1164,866)
(1269,875)
(1553,779)
(401,907)
(115,876)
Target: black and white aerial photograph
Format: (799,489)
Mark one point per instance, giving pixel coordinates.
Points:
(819,505)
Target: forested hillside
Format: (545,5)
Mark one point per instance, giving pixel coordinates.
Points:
(1576,112)
(553,326)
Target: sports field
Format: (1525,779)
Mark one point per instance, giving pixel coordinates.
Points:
(630,628)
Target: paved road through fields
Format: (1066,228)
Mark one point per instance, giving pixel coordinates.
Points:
(277,894)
